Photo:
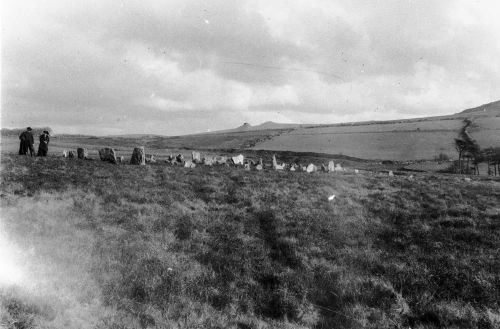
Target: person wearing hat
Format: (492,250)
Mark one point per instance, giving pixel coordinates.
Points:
(43,148)
(26,143)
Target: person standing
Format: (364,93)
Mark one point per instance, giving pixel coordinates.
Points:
(26,143)
(43,147)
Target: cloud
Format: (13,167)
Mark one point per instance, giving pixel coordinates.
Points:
(185,66)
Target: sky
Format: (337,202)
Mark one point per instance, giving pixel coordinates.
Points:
(103,67)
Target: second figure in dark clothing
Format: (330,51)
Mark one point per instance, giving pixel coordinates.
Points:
(43,148)
(26,143)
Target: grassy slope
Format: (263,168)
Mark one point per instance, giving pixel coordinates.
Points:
(127,247)
(411,140)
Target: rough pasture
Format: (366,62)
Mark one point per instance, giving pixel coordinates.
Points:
(122,246)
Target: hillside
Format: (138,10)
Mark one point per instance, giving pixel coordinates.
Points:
(413,139)
(95,245)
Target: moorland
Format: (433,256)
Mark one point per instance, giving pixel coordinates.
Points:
(89,244)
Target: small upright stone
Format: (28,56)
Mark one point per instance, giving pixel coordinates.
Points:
(71,154)
(196,157)
(138,156)
(331,166)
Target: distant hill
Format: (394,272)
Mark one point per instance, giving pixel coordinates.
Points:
(490,109)
(15,132)
(268,125)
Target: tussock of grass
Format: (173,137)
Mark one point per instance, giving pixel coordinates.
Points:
(136,247)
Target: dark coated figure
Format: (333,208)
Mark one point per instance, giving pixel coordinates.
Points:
(26,143)
(43,148)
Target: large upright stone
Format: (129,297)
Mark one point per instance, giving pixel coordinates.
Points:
(107,154)
(138,156)
(82,153)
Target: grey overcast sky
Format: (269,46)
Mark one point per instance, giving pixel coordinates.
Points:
(176,67)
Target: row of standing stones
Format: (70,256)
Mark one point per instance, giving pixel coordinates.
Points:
(139,158)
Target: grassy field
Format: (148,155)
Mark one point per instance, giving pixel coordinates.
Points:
(118,246)
(412,140)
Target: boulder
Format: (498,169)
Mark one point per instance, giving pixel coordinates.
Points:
(331,166)
(179,158)
(338,167)
(150,158)
(65,153)
(356,171)
(82,153)
(196,157)
(71,154)
(391,173)
(247,166)
(107,154)
(138,156)
(238,160)
(311,168)
(258,167)
(189,164)
(293,168)
(221,159)
(208,161)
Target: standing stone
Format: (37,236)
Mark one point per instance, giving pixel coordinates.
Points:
(247,166)
(196,157)
(71,154)
(82,153)
(238,160)
(338,167)
(65,153)
(150,158)
(391,173)
(107,154)
(258,167)
(138,156)
(179,158)
(119,159)
(311,168)
(276,166)
(261,163)
(331,166)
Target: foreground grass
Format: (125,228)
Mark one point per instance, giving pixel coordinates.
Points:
(156,246)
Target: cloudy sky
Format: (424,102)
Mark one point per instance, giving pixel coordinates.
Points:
(176,67)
